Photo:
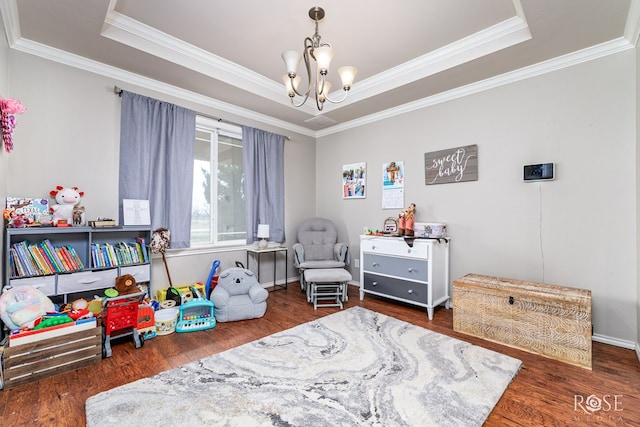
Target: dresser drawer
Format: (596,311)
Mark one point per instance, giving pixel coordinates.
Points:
(392,287)
(407,268)
(142,272)
(45,284)
(87,280)
(396,246)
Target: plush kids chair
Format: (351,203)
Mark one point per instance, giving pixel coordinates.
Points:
(238,296)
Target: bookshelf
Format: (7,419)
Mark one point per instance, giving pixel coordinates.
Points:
(74,262)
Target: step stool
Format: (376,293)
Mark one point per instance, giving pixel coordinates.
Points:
(327,284)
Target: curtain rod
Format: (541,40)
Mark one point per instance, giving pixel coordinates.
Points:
(118,91)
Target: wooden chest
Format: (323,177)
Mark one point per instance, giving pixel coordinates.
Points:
(550,320)
(51,356)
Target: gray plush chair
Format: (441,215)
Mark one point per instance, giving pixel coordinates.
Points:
(238,296)
(318,247)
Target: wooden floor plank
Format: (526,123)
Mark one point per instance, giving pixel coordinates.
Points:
(544,392)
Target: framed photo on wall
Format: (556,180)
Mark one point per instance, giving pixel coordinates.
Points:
(393,185)
(354,178)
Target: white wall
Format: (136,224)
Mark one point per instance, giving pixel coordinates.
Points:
(637,73)
(70,136)
(4,92)
(578,231)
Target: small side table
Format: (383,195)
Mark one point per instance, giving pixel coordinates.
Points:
(257,254)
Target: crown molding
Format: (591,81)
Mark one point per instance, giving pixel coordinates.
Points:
(497,37)
(632,28)
(133,33)
(514,27)
(11,20)
(571,59)
(76,61)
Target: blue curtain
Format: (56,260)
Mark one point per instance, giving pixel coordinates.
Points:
(156,161)
(263,164)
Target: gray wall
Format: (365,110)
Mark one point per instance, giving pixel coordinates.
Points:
(70,136)
(578,231)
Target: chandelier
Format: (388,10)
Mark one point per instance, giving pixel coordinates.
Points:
(321,53)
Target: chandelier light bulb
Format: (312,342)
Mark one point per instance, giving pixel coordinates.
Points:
(323,55)
(347,74)
(291,84)
(291,59)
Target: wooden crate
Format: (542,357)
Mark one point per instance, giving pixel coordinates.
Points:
(41,359)
(550,320)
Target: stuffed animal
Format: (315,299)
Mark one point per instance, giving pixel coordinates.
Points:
(67,198)
(126,284)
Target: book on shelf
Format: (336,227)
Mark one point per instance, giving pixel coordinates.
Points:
(30,207)
(143,245)
(41,259)
(103,223)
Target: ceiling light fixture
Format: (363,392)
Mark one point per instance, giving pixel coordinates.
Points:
(321,53)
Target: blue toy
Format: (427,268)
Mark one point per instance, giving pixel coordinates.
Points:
(214,268)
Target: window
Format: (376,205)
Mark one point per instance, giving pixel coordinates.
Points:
(218,206)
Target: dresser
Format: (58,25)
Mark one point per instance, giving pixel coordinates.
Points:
(411,270)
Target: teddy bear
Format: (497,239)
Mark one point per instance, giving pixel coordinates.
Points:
(126,284)
(66,199)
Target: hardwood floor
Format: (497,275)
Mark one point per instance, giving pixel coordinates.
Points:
(544,393)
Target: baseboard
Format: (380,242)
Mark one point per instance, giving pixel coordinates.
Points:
(616,342)
(604,339)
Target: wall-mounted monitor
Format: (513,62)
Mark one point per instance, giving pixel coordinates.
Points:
(539,172)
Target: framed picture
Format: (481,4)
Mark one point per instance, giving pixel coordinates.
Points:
(393,185)
(354,178)
(136,212)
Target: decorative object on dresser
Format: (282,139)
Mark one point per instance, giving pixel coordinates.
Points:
(411,270)
(353,367)
(549,320)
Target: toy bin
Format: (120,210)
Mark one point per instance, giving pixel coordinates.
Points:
(434,230)
(184,290)
(166,320)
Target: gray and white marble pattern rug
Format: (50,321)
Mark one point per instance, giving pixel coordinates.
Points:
(352,368)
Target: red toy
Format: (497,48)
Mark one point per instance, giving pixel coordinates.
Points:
(120,319)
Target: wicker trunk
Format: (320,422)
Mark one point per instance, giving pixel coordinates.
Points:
(553,321)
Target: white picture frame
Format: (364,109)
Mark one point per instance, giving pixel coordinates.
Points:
(136,212)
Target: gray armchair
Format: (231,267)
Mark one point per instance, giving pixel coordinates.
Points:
(318,247)
(238,296)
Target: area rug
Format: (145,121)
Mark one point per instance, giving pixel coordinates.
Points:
(352,368)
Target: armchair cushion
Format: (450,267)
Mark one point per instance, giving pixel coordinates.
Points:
(238,296)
